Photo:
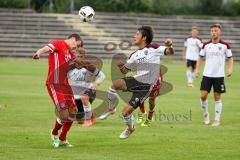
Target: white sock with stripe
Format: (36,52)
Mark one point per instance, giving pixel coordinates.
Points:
(204,105)
(218,110)
(189,76)
(112,98)
(87,111)
(129,120)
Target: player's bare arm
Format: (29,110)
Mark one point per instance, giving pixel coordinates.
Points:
(229,66)
(44,50)
(169,50)
(184,53)
(123,69)
(199,62)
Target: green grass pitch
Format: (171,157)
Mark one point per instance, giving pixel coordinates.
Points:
(27,116)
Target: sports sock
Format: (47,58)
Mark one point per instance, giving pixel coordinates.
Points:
(112,98)
(189,77)
(218,110)
(87,111)
(129,120)
(65,128)
(57,126)
(193,75)
(150,115)
(204,105)
(142,108)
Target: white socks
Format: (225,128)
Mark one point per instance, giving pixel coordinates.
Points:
(190,76)
(112,98)
(218,110)
(129,120)
(87,111)
(204,105)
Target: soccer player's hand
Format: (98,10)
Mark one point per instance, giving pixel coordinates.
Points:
(168,42)
(197,72)
(36,56)
(94,86)
(229,72)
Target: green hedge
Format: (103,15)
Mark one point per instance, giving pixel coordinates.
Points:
(14,3)
(164,7)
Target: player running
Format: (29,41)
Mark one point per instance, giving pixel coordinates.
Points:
(215,52)
(192,46)
(146,61)
(84,88)
(59,57)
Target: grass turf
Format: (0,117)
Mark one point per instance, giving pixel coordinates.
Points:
(27,116)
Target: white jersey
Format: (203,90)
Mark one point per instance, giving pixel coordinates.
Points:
(82,80)
(215,54)
(192,48)
(146,63)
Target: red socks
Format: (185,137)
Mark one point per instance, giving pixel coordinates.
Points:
(65,128)
(150,115)
(142,109)
(56,128)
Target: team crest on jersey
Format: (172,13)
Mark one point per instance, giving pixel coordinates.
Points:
(219,48)
(146,52)
(67,57)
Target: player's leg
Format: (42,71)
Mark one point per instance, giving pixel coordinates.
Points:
(218,87)
(136,100)
(193,67)
(87,110)
(113,97)
(129,121)
(58,123)
(152,104)
(67,116)
(152,101)
(141,113)
(205,88)
(189,73)
(80,113)
(218,109)
(204,105)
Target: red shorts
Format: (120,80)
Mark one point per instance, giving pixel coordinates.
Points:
(62,96)
(156,90)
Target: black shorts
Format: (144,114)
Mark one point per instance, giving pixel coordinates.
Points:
(217,83)
(92,96)
(191,63)
(141,91)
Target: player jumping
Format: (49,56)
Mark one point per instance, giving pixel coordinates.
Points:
(146,62)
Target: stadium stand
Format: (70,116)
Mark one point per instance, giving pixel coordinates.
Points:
(23,31)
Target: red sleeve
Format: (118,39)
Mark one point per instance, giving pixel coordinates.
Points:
(53,45)
(154,45)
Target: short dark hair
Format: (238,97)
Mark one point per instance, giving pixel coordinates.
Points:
(217,25)
(147,31)
(77,37)
(81,51)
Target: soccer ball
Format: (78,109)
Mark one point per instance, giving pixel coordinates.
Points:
(86,14)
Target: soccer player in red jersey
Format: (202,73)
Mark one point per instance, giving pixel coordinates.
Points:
(59,57)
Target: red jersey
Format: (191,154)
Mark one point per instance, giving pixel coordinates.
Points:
(58,62)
